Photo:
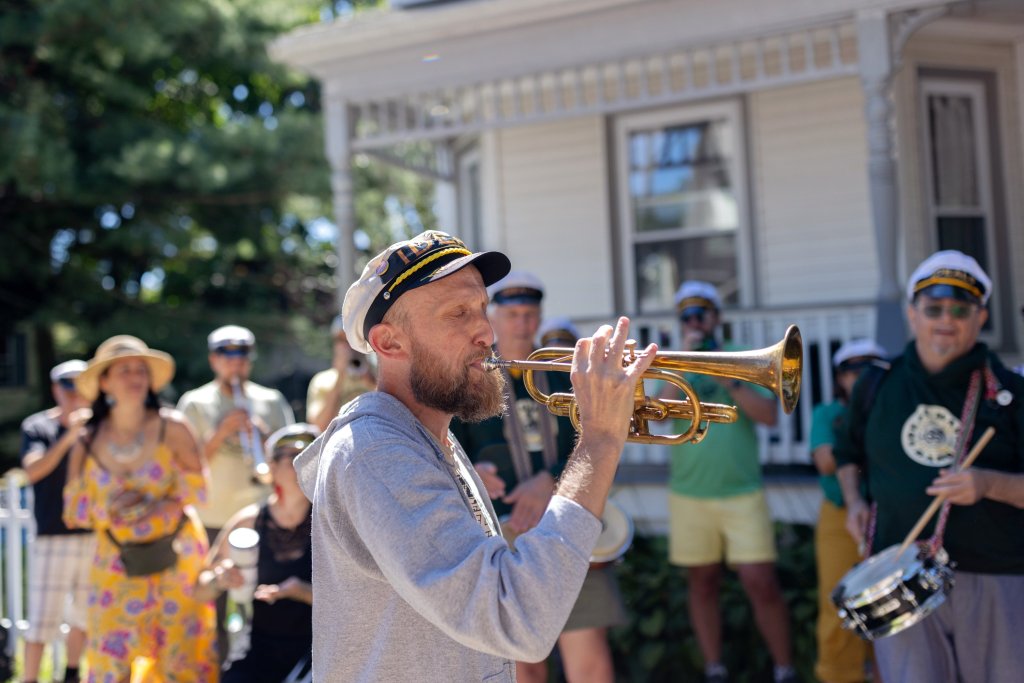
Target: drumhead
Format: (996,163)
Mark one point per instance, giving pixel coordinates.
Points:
(881,569)
(616,534)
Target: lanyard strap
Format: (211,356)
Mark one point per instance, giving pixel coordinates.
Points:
(967,421)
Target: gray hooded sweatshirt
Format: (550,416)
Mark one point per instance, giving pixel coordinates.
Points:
(407,584)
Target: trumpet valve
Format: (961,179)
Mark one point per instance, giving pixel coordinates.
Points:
(630,352)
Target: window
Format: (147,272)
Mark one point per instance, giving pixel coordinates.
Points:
(959,188)
(682,204)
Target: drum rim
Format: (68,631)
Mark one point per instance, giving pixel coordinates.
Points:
(884,586)
(619,550)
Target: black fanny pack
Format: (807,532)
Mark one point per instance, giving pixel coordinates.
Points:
(151,557)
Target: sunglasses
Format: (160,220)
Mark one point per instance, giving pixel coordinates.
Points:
(957,311)
(66,384)
(233,351)
(696,315)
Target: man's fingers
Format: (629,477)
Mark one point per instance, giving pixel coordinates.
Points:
(599,345)
(643,362)
(617,343)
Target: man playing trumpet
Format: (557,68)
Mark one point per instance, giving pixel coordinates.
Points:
(519,456)
(413,580)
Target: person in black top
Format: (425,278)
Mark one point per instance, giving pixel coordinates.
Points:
(281,628)
(60,556)
(907,432)
(519,457)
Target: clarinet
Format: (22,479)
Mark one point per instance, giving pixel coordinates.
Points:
(252,445)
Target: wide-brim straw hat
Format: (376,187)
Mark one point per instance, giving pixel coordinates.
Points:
(161,365)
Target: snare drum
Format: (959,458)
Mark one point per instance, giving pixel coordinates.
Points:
(886,593)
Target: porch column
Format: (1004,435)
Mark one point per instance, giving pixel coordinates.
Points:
(876,71)
(339,156)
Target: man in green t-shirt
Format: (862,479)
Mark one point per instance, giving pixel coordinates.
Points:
(903,438)
(716,501)
(519,456)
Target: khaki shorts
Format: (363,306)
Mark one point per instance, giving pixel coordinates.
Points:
(705,530)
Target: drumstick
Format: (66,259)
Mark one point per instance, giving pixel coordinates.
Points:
(934,507)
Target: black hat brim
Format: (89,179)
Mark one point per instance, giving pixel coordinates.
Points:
(493,265)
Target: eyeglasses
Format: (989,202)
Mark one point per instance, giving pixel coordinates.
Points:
(233,351)
(698,316)
(957,311)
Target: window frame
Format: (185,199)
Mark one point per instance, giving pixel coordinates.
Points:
(977,90)
(628,236)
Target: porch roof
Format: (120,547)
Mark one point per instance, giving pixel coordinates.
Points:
(457,68)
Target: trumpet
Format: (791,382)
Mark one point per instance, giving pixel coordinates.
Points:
(778,367)
(252,445)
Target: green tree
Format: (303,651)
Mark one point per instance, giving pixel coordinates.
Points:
(160,176)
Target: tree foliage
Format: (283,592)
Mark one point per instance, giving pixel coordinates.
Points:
(161,176)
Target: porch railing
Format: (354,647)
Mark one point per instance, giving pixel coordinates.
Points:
(18,534)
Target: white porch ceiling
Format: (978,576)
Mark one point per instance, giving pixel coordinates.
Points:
(645,80)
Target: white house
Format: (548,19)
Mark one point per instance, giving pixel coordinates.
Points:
(804,155)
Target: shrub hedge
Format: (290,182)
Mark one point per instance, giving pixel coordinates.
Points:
(658,644)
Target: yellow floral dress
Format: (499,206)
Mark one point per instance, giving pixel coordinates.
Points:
(153,616)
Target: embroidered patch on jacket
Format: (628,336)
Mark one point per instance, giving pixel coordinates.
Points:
(929,436)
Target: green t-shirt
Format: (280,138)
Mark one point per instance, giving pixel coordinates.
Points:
(485,441)
(909,435)
(726,462)
(823,433)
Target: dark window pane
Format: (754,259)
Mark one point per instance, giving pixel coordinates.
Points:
(661,267)
(964,233)
(954,157)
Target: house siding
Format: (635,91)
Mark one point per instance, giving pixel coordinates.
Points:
(810,200)
(554,212)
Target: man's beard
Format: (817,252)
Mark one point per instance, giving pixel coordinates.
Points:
(454,393)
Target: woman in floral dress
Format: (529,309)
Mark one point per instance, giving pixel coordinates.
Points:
(134,479)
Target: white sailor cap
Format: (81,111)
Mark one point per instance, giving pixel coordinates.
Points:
(68,370)
(337,326)
(694,294)
(231,335)
(298,436)
(557,331)
(857,348)
(406,265)
(518,287)
(950,274)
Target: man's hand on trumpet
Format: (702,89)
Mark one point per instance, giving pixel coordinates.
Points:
(604,389)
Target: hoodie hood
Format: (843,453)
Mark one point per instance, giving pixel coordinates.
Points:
(373,404)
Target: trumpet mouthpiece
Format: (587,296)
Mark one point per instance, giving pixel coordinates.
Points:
(494,363)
